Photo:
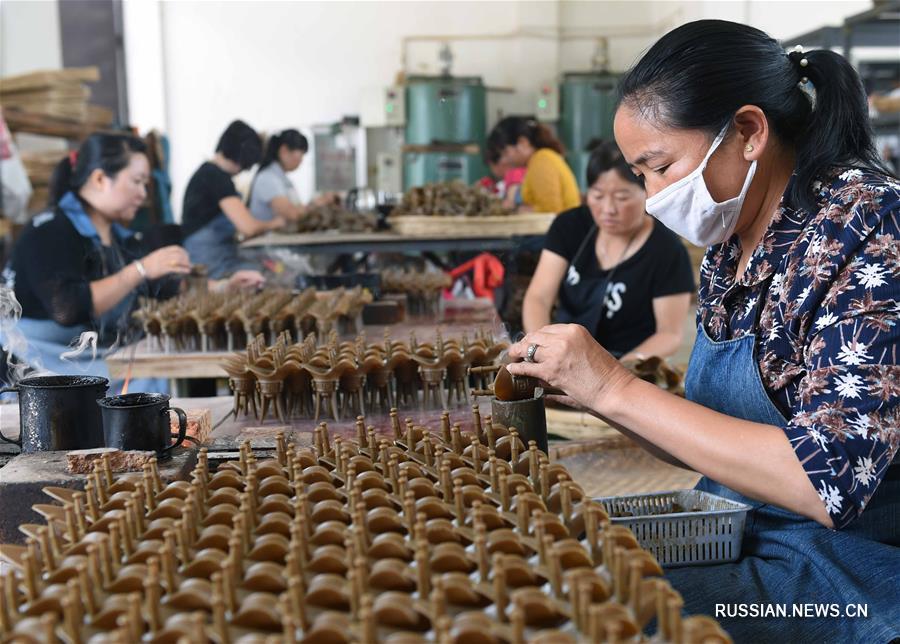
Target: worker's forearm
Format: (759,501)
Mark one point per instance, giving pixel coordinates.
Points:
(535,313)
(662,344)
(257,227)
(647,445)
(106,293)
(754,459)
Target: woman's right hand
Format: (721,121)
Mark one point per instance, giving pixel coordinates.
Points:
(277,223)
(167,260)
(325,199)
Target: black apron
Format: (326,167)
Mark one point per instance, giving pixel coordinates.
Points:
(581,298)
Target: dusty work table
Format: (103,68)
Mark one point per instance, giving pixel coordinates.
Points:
(333,242)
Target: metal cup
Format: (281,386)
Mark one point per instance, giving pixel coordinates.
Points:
(141,422)
(58,413)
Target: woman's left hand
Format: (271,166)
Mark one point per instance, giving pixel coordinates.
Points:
(325,199)
(569,358)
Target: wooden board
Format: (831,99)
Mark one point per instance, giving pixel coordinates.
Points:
(456,226)
(611,466)
(40,165)
(448,231)
(49,78)
(449,148)
(22,121)
(149,363)
(313,239)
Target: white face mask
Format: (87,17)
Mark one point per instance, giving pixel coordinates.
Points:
(687,208)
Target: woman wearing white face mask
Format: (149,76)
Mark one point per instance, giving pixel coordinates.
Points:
(793,397)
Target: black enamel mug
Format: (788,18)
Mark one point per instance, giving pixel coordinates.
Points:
(141,422)
(58,412)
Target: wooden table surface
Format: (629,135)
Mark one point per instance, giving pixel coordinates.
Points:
(147,360)
(336,242)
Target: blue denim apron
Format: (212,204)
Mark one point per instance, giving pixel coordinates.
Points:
(786,558)
(215,245)
(41,344)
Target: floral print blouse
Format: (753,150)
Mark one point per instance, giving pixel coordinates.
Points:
(827,329)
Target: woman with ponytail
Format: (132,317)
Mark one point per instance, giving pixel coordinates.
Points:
(272,194)
(792,403)
(214,215)
(76,268)
(549,185)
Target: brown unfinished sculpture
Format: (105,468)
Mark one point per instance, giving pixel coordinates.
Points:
(333,217)
(658,371)
(400,539)
(309,379)
(449,199)
(422,289)
(202,321)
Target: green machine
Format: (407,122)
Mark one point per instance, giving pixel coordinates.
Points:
(420,168)
(445,109)
(587,107)
(445,127)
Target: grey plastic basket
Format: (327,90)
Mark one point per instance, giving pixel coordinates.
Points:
(712,534)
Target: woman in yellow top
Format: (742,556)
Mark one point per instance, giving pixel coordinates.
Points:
(549,184)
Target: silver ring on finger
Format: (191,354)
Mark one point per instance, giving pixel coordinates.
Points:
(529,354)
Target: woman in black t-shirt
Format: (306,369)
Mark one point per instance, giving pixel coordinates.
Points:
(76,270)
(214,214)
(612,268)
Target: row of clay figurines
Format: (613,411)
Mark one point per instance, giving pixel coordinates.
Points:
(303,379)
(210,321)
(220,545)
(423,289)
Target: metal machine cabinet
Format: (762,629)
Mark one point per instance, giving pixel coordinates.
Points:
(588,107)
(445,109)
(420,168)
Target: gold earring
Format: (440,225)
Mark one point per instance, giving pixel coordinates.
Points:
(748,147)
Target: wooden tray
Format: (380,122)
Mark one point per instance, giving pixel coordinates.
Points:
(456,226)
(610,466)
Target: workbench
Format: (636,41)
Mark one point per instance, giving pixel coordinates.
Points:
(336,242)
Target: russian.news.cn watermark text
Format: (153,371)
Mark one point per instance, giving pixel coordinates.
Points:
(802,611)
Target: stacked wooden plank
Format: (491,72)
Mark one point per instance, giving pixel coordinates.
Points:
(40,165)
(53,102)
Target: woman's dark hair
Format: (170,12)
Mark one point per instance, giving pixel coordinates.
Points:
(492,154)
(606,156)
(291,138)
(241,144)
(108,152)
(509,129)
(698,75)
